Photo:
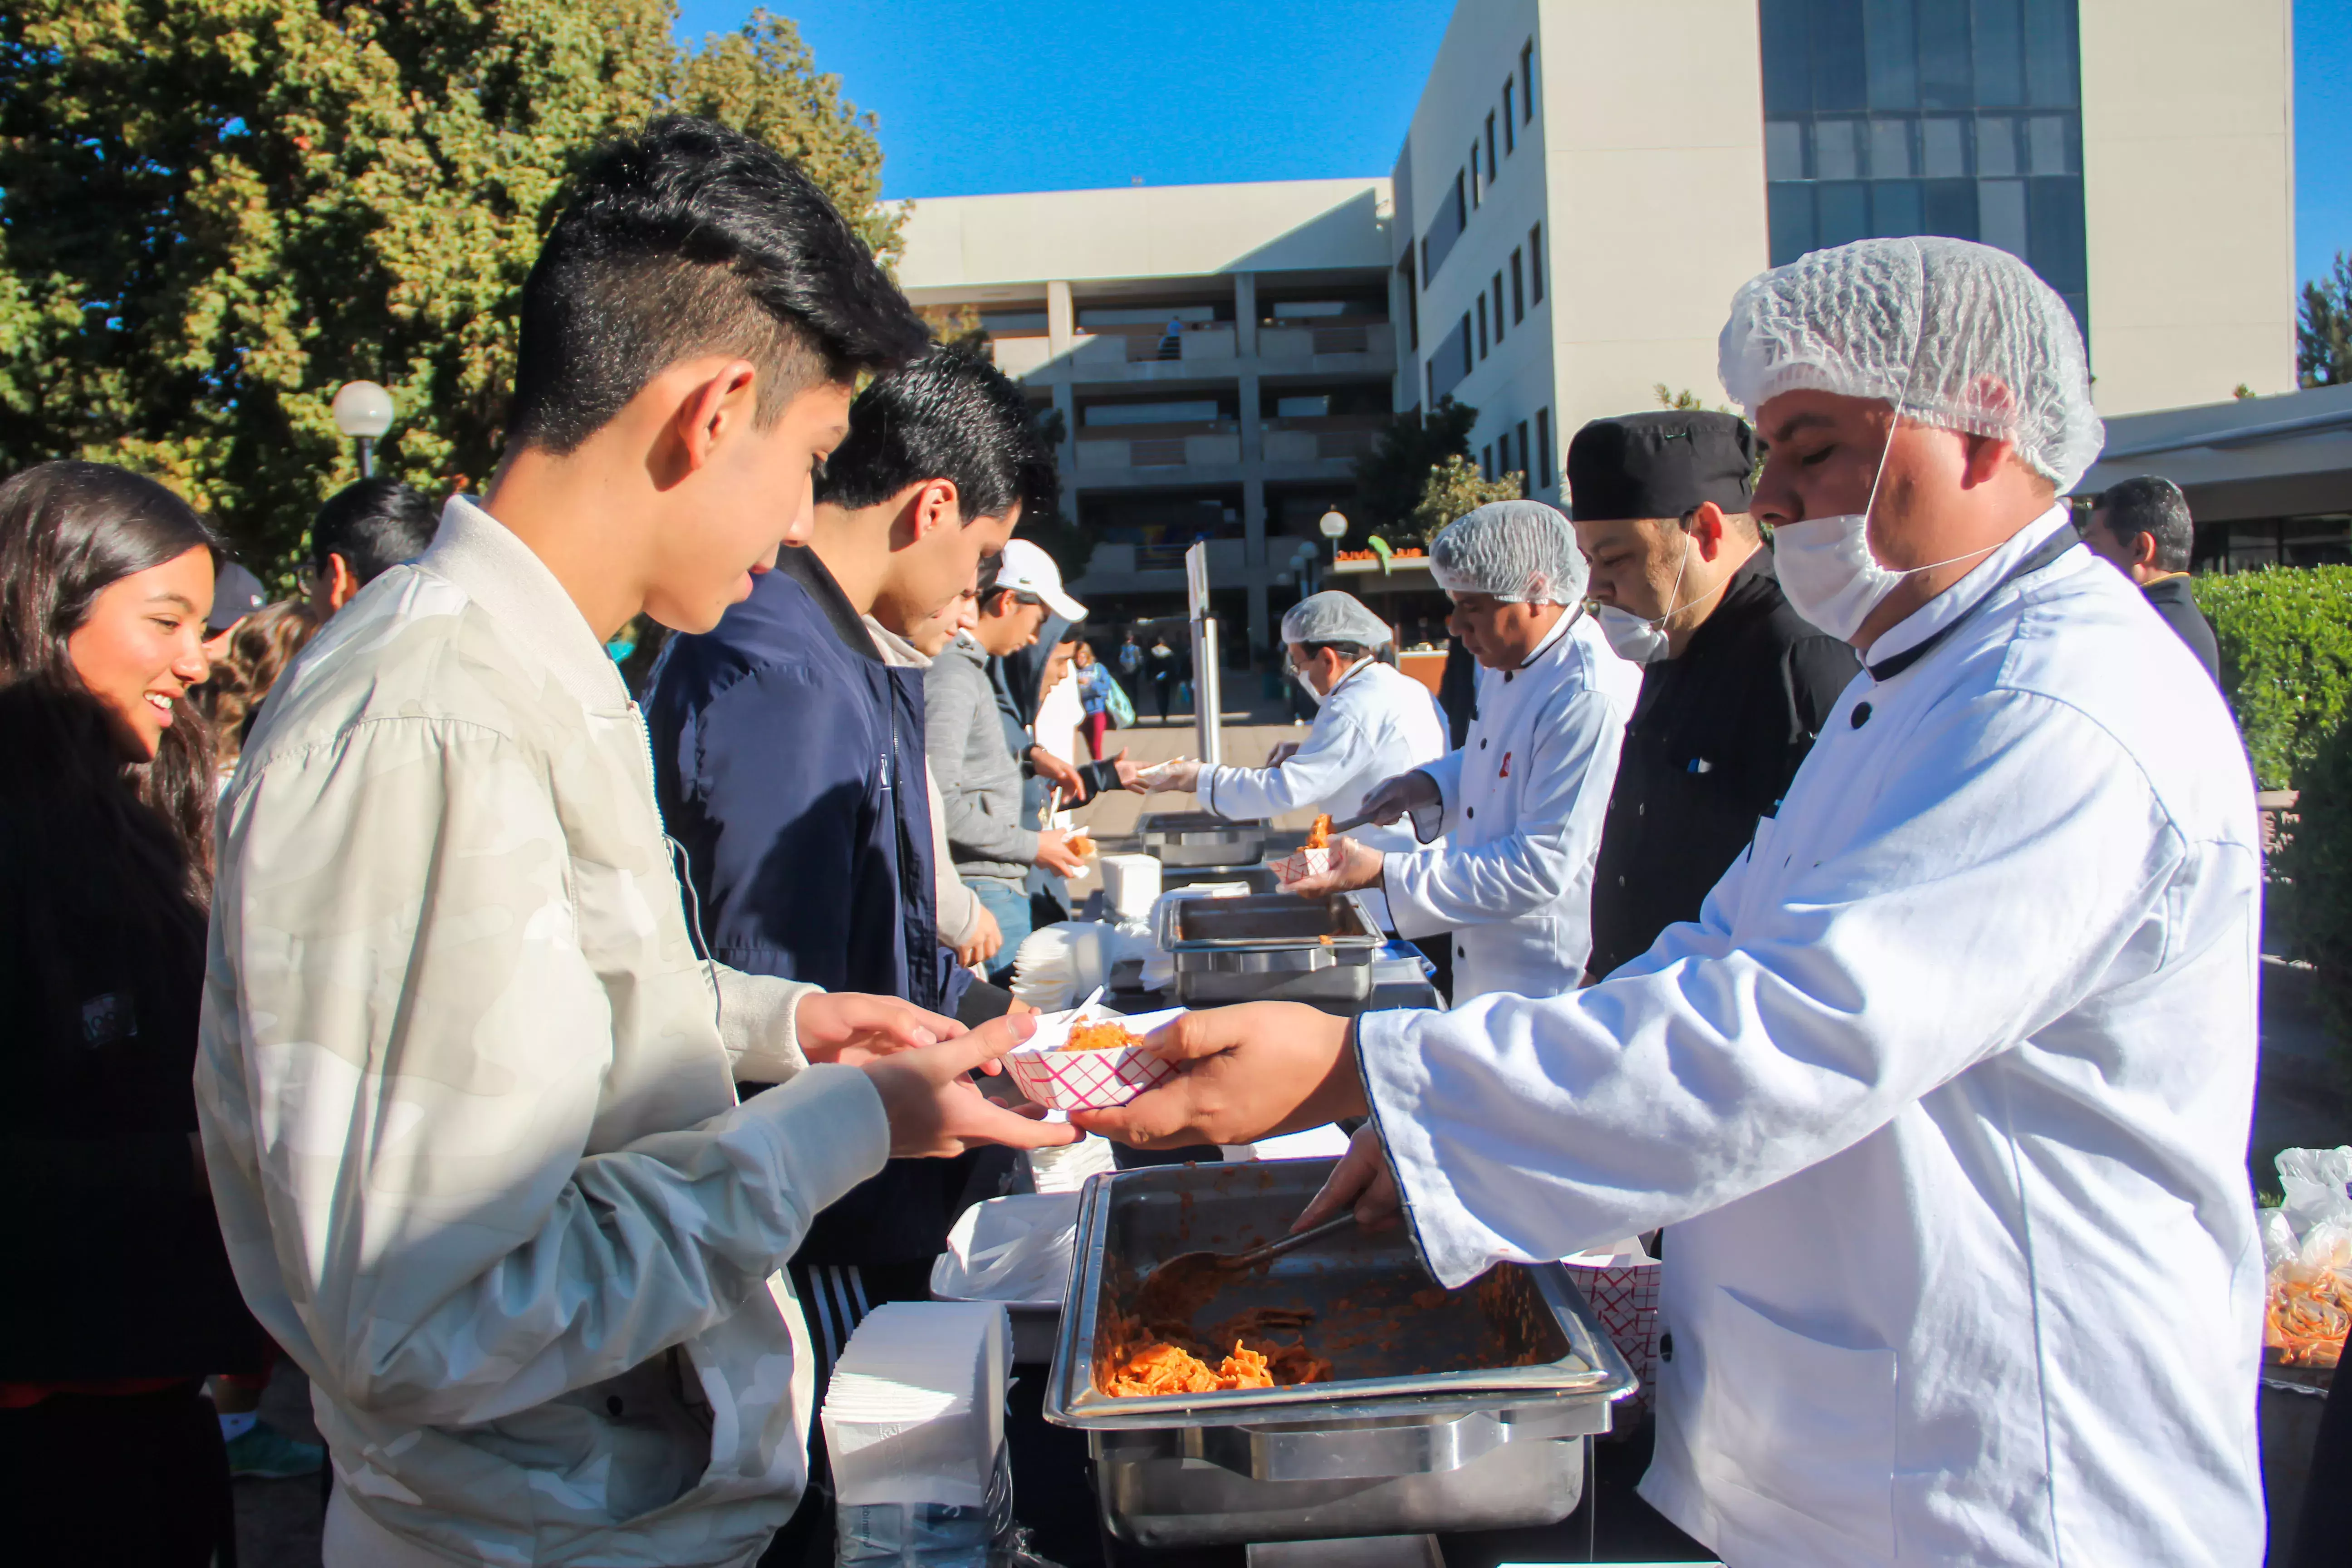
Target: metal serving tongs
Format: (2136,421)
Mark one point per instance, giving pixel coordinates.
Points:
(1176,1290)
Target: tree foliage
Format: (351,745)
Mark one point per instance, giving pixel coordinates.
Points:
(1455,487)
(1392,478)
(212,213)
(2323,337)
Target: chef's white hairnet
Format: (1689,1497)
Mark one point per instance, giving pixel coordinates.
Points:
(1333,616)
(1520,552)
(1962,336)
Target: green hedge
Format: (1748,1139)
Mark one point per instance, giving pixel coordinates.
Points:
(2313,895)
(2286,660)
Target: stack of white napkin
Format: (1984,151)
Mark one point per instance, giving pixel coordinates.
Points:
(914,1413)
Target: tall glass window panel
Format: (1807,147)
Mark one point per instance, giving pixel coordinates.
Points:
(1527,82)
(1786,48)
(1498,309)
(2048,145)
(1891,44)
(2054,226)
(2052,77)
(1947,77)
(1944,148)
(1490,149)
(1527,468)
(1996,150)
(1535,262)
(1789,206)
(1543,447)
(1844,212)
(1837,149)
(1841,79)
(1950,208)
(1477,184)
(1519,291)
(1510,117)
(1897,208)
(1890,150)
(1999,51)
(1482,323)
(1784,150)
(2001,216)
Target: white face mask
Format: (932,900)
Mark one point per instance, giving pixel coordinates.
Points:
(1826,567)
(1645,642)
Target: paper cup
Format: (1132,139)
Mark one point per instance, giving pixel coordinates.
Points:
(1063,1079)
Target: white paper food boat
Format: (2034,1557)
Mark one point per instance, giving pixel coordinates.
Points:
(1087,1080)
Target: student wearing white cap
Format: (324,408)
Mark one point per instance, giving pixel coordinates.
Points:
(1522,805)
(1372,723)
(1946,1093)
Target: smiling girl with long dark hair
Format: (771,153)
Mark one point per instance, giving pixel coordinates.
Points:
(119,1299)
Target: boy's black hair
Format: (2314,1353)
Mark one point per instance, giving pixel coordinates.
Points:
(691,238)
(948,416)
(374,525)
(2153,505)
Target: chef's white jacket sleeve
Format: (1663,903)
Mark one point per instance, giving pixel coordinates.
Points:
(2012,861)
(1335,751)
(1564,801)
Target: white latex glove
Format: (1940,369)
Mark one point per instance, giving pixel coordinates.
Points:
(1176,777)
(1414,794)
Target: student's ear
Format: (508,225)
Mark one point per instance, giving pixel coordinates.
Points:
(342,583)
(2144,552)
(717,409)
(935,505)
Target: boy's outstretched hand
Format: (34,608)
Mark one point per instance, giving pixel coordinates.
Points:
(851,1028)
(935,1109)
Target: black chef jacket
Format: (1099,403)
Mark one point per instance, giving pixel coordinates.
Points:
(1714,740)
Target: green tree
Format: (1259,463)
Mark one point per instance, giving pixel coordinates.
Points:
(2323,338)
(1392,478)
(1455,487)
(212,213)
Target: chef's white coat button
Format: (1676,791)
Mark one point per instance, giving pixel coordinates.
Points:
(1860,714)
(1470,811)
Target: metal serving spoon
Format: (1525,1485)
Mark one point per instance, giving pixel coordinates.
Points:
(1176,1290)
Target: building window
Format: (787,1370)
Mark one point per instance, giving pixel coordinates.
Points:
(1490,149)
(1411,303)
(1482,323)
(1896,117)
(1510,126)
(1486,461)
(1498,309)
(1535,263)
(1429,370)
(1526,81)
(1452,216)
(1424,261)
(1527,481)
(1519,294)
(1449,364)
(1477,186)
(1465,342)
(1543,449)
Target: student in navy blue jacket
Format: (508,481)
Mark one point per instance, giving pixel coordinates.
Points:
(788,756)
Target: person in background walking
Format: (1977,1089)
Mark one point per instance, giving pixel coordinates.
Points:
(361,532)
(2142,528)
(1094,697)
(1130,668)
(1167,674)
(121,1301)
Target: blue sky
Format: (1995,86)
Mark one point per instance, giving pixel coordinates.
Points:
(982,96)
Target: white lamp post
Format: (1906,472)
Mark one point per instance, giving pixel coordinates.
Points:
(362,411)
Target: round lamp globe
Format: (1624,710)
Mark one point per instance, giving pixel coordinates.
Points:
(361,408)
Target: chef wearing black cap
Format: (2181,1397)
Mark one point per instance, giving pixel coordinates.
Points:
(1734,685)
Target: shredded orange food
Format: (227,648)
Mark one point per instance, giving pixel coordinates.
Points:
(1160,1368)
(2308,1319)
(1082,845)
(1109,1035)
(1319,835)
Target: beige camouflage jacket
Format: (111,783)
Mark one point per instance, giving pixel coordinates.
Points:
(468,1095)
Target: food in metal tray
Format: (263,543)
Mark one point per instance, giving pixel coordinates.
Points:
(1165,1358)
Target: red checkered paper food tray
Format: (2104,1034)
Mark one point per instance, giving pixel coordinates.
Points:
(1087,1080)
(1626,1300)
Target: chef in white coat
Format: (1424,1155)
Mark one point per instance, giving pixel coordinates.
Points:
(1946,1091)
(1372,723)
(1522,805)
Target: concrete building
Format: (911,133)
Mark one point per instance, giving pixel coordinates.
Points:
(2269,480)
(1586,182)
(1220,355)
(1583,185)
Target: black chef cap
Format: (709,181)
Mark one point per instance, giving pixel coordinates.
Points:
(1665,464)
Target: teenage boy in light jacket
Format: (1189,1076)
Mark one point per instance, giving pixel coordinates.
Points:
(467,1090)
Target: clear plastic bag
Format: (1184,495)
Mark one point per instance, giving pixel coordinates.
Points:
(2307,1256)
(936,1535)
